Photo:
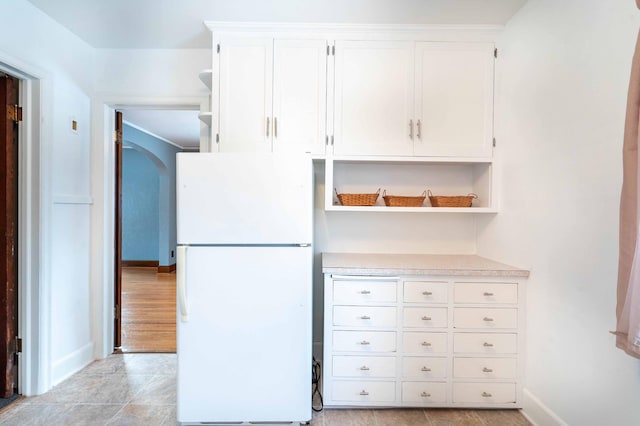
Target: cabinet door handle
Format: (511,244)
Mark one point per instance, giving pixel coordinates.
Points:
(427,293)
(364,393)
(411,129)
(487,370)
(425,394)
(487,319)
(275,127)
(365,292)
(426,344)
(425,369)
(426,318)
(487,345)
(364,368)
(365,343)
(268,126)
(486,395)
(419,125)
(488,293)
(365,317)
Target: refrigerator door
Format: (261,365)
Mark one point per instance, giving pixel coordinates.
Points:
(244,334)
(244,198)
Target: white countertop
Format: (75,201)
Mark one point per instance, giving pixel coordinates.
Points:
(416,264)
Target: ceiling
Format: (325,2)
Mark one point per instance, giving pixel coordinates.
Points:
(172,24)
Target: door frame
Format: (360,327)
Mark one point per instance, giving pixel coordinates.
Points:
(103,215)
(34,213)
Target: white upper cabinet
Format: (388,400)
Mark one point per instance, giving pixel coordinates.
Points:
(300,96)
(454,99)
(374,98)
(273,95)
(246,66)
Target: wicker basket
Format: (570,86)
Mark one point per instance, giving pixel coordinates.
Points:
(403,201)
(451,201)
(357,199)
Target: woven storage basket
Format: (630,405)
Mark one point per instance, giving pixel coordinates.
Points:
(451,200)
(357,199)
(403,201)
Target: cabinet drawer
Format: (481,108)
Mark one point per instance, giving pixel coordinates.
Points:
(361,391)
(364,316)
(425,292)
(424,392)
(488,393)
(424,367)
(364,366)
(485,293)
(484,368)
(485,343)
(364,341)
(425,343)
(485,318)
(425,317)
(364,291)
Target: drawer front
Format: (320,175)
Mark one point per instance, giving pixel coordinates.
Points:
(487,393)
(364,291)
(364,366)
(485,343)
(425,292)
(484,368)
(424,343)
(361,391)
(424,367)
(364,316)
(485,318)
(425,317)
(364,341)
(485,293)
(424,392)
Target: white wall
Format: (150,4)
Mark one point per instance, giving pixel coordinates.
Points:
(35,44)
(562,76)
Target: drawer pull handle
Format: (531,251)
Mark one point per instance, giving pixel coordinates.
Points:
(487,345)
(427,293)
(486,395)
(365,317)
(426,369)
(488,293)
(364,368)
(364,342)
(426,344)
(487,370)
(425,394)
(426,318)
(364,393)
(365,292)
(487,319)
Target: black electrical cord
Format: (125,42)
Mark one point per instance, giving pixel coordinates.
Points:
(315,384)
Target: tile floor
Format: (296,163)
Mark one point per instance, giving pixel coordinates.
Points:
(140,389)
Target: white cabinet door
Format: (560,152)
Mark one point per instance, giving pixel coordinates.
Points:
(300,96)
(454,99)
(373,98)
(246,66)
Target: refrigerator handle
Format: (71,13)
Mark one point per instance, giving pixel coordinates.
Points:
(181,276)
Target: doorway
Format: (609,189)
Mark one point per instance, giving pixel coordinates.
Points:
(10,115)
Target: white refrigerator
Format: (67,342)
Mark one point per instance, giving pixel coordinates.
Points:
(244,287)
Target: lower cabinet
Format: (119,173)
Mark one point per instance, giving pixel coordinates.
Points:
(417,341)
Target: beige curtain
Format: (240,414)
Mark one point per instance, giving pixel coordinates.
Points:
(628,308)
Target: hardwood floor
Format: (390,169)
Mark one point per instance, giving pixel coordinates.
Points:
(148,310)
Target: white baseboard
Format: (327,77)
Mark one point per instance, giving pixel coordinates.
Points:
(538,413)
(72,363)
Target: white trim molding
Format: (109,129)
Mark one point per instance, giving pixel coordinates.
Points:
(538,413)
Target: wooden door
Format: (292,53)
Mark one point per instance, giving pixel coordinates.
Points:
(9,117)
(246,69)
(374,98)
(117,310)
(299,96)
(454,99)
